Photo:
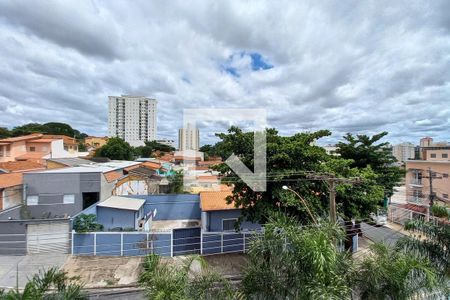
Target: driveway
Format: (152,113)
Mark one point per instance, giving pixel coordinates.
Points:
(381,234)
(17,269)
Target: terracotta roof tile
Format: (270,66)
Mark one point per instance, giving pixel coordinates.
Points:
(9,180)
(152,165)
(211,201)
(207,178)
(66,139)
(15,166)
(22,138)
(113,175)
(31,155)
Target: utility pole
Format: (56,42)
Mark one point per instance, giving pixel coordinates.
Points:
(331,181)
(431,176)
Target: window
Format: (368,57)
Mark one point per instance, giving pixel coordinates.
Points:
(229,224)
(32,149)
(445,196)
(445,175)
(32,200)
(444,155)
(69,199)
(433,155)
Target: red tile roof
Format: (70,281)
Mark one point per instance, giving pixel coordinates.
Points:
(113,175)
(152,165)
(66,139)
(31,155)
(11,179)
(211,201)
(22,138)
(15,166)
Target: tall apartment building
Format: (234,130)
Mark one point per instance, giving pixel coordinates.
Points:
(403,152)
(188,138)
(434,163)
(132,118)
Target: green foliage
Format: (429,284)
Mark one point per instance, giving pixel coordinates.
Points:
(86,223)
(440,211)
(431,240)
(51,284)
(366,151)
(288,159)
(48,128)
(151,147)
(391,274)
(293,262)
(116,149)
(4,133)
(82,147)
(176,183)
(164,281)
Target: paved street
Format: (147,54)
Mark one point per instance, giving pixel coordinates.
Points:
(25,267)
(381,234)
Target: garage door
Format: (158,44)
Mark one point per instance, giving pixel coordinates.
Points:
(48,238)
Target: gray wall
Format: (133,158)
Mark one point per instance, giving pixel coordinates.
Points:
(172,207)
(13,213)
(13,239)
(112,217)
(214,220)
(51,187)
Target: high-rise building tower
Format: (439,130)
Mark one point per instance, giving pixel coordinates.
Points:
(188,138)
(132,118)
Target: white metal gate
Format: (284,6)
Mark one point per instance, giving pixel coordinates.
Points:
(48,238)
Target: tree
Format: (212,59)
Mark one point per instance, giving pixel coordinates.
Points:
(86,223)
(431,240)
(288,161)
(290,261)
(50,284)
(4,133)
(366,151)
(116,149)
(176,183)
(391,274)
(151,147)
(55,128)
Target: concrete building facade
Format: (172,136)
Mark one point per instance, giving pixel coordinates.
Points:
(132,118)
(403,152)
(188,138)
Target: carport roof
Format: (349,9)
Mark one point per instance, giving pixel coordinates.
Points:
(122,203)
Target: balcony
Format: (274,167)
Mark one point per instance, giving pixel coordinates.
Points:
(416,182)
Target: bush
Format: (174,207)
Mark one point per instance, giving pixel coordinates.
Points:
(86,223)
(439,211)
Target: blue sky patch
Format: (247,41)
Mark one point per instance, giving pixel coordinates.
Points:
(257,63)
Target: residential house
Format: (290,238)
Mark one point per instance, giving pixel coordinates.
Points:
(187,157)
(67,191)
(33,147)
(217,215)
(95,142)
(70,144)
(120,213)
(11,190)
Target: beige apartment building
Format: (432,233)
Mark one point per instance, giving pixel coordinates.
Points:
(435,164)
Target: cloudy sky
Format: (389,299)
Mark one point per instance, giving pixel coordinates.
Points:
(347,66)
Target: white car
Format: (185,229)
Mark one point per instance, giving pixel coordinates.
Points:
(379,218)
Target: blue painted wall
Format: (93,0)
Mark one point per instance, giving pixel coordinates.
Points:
(172,207)
(112,217)
(134,244)
(214,220)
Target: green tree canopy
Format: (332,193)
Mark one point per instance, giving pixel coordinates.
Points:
(367,151)
(4,132)
(48,128)
(149,149)
(116,149)
(290,159)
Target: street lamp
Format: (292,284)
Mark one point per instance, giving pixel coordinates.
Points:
(285,187)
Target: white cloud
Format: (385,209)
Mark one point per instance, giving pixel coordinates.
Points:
(354,66)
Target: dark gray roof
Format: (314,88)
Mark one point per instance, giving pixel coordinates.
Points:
(71,161)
